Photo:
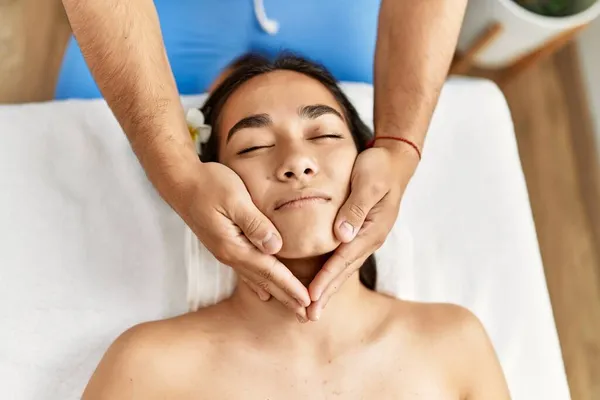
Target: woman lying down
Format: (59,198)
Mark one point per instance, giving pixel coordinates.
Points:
(289,132)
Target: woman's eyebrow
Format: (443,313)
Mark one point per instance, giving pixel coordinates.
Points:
(253,121)
(314,111)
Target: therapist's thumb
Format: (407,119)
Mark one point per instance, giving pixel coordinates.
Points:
(353,213)
(257,228)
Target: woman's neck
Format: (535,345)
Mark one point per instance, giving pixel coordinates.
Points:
(347,313)
(305,269)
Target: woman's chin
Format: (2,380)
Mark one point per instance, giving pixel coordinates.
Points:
(306,233)
(297,248)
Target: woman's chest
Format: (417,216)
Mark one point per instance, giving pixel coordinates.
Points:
(361,376)
(349,387)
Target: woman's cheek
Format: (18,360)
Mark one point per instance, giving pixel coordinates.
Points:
(256,182)
(341,161)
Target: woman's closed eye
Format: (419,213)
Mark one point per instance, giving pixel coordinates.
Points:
(315,138)
(251,149)
(328,136)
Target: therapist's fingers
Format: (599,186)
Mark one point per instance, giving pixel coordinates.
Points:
(289,301)
(259,230)
(262,294)
(369,185)
(315,310)
(353,213)
(349,257)
(266,274)
(344,263)
(269,274)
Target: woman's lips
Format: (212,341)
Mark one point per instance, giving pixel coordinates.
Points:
(302,200)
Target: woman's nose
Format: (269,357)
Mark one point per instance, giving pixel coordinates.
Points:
(297,167)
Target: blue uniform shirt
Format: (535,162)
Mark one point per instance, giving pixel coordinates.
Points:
(203,36)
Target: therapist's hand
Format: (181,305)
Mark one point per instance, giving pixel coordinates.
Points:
(215,203)
(378,181)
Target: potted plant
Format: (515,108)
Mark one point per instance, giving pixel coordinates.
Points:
(526,26)
(549,8)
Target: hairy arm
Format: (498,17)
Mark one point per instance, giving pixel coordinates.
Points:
(415,44)
(122,44)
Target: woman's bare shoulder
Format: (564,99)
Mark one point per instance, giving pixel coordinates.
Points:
(440,327)
(455,338)
(176,333)
(432,319)
(154,357)
(442,319)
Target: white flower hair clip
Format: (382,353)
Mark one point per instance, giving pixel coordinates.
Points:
(199,131)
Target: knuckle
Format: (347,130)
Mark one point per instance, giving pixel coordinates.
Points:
(329,268)
(357,211)
(228,257)
(252,225)
(342,262)
(346,260)
(263,284)
(266,274)
(378,189)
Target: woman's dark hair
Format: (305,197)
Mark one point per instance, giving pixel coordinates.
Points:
(249,66)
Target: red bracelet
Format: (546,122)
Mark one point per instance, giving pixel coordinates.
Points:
(400,139)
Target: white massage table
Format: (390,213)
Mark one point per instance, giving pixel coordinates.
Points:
(87,247)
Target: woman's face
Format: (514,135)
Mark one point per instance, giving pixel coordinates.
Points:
(285,135)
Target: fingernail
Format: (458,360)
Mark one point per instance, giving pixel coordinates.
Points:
(271,243)
(300,318)
(264,296)
(346,231)
(317,315)
(302,303)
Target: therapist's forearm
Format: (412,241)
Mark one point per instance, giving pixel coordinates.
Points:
(415,45)
(123,46)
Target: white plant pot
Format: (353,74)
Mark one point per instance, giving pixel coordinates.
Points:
(523,31)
